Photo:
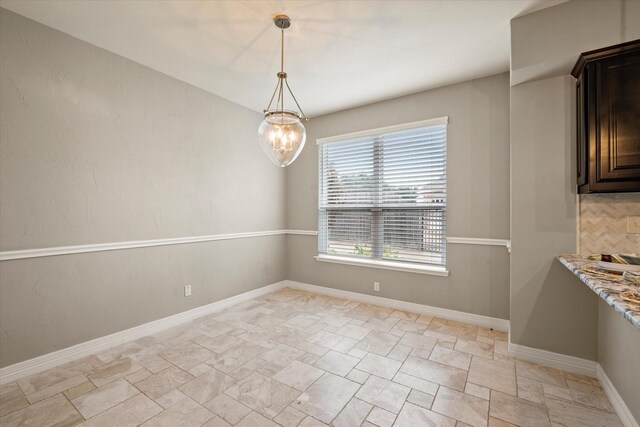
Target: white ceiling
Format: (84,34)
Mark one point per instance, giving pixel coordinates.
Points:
(338,54)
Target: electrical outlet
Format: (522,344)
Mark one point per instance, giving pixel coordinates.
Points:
(187,291)
(633,225)
(376,286)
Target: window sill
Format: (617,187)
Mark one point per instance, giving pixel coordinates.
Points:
(386,265)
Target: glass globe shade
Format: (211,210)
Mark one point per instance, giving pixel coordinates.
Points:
(282,136)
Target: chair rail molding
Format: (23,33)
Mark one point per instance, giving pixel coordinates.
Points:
(101,247)
(452,240)
(114,246)
(479,241)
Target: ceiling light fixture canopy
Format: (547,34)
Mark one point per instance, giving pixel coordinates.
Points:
(281,133)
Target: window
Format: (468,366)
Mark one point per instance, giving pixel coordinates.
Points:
(382,195)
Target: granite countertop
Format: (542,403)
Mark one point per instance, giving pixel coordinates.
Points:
(607,286)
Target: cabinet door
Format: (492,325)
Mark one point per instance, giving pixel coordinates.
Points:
(617,151)
(581,149)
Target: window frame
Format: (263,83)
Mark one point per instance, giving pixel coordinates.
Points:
(407,266)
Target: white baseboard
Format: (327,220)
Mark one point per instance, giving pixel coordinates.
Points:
(568,363)
(621,408)
(47,361)
(554,360)
(578,366)
(476,319)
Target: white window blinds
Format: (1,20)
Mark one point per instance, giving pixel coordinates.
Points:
(382,194)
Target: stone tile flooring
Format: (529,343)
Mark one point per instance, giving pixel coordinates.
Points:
(294,358)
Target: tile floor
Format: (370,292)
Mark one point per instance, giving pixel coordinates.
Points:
(294,358)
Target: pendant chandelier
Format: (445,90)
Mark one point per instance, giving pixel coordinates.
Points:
(281,133)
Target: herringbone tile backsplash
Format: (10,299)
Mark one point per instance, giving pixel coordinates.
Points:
(603,223)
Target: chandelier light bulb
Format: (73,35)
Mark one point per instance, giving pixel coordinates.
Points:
(282,137)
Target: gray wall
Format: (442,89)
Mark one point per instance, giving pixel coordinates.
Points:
(547,43)
(97,149)
(478,199)
(548,308)
(618,350)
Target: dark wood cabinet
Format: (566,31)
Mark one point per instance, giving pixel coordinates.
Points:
(608,119)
